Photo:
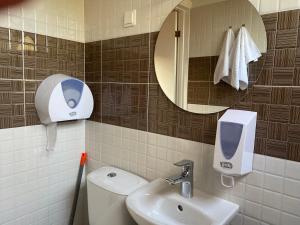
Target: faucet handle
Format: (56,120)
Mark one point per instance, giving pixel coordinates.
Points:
(185,163)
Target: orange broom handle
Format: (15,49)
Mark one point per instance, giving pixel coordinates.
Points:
(83,159)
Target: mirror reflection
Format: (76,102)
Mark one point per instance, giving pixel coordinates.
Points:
(209,53)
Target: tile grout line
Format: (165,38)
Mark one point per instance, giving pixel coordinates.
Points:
(105,82)
(149,73)
(101,74)
(282,194)
(276,86)
(24,82)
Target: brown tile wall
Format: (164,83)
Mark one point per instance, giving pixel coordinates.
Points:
(201,88)
(118,72)
(24,64)
(121,74)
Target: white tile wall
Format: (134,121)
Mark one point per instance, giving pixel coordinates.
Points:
(56,18)
(36,186)
(268,196)
(90,20)
(103,19)
(210,21)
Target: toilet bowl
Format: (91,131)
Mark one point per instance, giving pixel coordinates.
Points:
(107,189)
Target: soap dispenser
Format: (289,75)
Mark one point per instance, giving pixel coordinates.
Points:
(234,146)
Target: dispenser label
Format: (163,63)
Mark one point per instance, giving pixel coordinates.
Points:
(226,165)
(72,114)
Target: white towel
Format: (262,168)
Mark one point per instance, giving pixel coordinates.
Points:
(223,66)
(244,51)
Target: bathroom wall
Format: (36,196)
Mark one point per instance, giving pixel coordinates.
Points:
(270,195)
(209,22)
(24,64)
(99,27)
(201,88)
(56,18)
(143,132)
(37,40)
(36,186)
(124,80)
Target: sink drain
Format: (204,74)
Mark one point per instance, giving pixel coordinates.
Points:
(112,174)
(180,208)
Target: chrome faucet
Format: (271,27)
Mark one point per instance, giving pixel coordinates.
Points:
(185,179)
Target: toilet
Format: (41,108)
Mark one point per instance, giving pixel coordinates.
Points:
(107,189)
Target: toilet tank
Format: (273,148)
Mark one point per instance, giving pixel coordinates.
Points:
(108,188)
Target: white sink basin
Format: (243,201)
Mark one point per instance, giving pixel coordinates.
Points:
(158,203)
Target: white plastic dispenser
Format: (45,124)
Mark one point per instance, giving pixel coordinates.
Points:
(234,147)
(62,98)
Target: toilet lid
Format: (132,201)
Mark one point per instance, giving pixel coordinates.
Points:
(116,180)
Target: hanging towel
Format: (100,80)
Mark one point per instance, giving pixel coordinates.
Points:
(223,66)
(244,51)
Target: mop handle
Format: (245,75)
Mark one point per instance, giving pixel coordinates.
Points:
(83,159)
(77,187)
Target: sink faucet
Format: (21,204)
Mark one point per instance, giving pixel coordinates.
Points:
(185,179)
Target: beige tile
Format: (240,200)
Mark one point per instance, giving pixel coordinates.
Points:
(269,6)
(289,5)
(271,216)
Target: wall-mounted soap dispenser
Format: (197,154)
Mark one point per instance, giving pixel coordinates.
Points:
(234,145)
(62,98)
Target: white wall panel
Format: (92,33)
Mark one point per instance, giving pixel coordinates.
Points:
(55,18)
(36,186)
(107,23)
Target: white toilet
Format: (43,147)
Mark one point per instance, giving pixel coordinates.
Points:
(107,189)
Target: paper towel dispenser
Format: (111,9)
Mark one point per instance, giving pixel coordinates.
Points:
(62,98)
(235,140)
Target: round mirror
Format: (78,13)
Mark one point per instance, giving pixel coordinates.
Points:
(209,53)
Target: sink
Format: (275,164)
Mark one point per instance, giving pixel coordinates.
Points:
(158,203)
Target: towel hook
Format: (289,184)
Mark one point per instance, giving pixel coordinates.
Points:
(243,25)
